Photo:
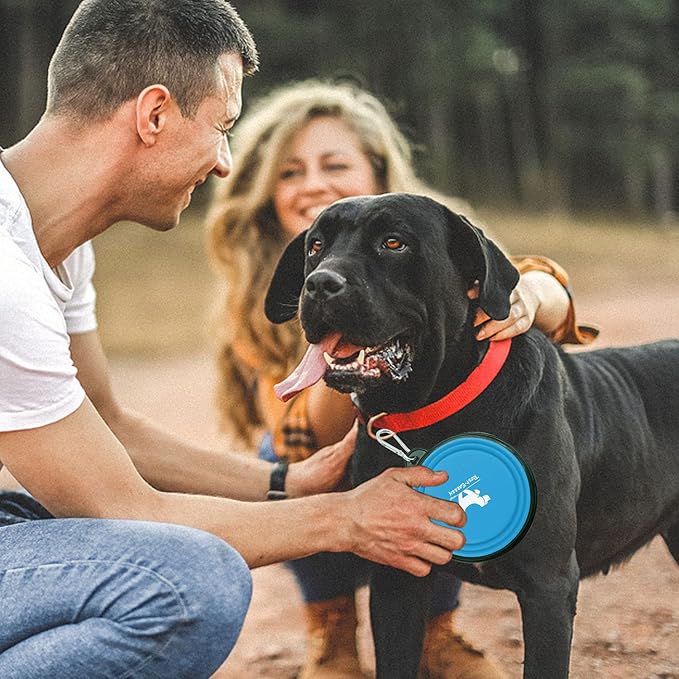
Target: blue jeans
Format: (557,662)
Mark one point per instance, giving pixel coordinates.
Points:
(107,598)
(329,575)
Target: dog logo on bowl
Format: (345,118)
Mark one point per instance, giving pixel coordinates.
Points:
(472,497)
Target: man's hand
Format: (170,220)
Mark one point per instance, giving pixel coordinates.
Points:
(392,524)
(324,470)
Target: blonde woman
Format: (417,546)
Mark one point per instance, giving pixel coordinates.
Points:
(300,149)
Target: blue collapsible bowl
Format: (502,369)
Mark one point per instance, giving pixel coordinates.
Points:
(494,486)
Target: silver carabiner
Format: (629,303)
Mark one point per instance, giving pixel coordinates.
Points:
(381,435)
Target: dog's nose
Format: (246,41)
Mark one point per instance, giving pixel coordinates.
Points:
(325,284)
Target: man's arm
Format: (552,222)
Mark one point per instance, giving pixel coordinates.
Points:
(76,467)
(170,464)
(383,520)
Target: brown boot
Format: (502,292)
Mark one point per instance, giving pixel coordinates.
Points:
(447,655)
(331,640)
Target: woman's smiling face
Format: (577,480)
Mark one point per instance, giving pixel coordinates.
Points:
(323,163)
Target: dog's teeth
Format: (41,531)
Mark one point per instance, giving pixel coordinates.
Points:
(361,357)
(328,358)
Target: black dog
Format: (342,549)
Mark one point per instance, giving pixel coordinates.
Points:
(389,290)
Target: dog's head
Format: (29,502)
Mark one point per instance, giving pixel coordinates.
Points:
(386,286)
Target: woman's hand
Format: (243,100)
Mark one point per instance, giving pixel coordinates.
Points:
(324,471)
(538,299)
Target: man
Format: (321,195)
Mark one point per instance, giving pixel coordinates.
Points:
(146,571)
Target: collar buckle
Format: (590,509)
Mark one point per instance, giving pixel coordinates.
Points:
(370,424)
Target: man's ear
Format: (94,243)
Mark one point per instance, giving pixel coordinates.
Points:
(483,261)
(153,105)
(282,298)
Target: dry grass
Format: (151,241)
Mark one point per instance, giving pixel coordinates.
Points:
(156,290)
(600,254)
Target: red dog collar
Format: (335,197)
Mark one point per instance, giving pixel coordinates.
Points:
(477,381)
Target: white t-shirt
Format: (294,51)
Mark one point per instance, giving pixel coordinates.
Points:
(39,307)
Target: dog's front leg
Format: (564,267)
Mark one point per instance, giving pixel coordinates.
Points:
(399,607)
(547,610)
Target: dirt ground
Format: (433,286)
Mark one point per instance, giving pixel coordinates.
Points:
(627,625)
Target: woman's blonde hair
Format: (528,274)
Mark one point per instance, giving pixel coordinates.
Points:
(245,238)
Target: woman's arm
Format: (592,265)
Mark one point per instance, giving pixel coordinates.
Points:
(538,300)
(541,299)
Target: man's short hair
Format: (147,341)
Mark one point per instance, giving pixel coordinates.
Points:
(112,49)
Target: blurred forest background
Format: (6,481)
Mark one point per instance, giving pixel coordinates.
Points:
(541,105)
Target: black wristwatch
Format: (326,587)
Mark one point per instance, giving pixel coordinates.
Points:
(277,481)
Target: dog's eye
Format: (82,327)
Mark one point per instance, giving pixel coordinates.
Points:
(315,246)
(395,244)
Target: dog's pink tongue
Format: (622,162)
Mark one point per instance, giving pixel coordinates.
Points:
(310,369)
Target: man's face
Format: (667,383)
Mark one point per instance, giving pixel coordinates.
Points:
(193,148)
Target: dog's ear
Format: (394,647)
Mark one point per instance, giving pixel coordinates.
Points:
(485,262)
(282,297)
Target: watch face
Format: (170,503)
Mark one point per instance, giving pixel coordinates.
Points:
(491,482)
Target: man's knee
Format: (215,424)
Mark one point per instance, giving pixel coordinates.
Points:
(213,586)
(218,593)
(226,581)
(171,600)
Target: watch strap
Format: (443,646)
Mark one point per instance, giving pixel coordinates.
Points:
(277,481)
